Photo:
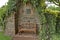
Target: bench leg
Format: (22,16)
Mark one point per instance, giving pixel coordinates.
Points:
(19,33)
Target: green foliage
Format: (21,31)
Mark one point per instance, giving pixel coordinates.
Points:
(57,11)
(6,10)
(53,12)
(3,15)
(58,24)
(56,36)
(51,22)
(47,16)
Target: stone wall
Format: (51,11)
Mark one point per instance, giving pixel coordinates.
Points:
(1,28)
(25,17)
(10,25)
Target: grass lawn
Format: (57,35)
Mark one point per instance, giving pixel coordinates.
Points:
(3,37)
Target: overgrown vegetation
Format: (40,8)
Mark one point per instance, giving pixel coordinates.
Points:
(49,17)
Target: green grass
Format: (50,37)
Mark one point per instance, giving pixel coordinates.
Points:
(4,37)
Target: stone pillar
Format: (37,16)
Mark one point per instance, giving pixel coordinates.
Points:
(10,25)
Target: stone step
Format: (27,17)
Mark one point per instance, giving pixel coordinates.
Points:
(25,37)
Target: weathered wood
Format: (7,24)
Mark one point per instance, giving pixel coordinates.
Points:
(32,29)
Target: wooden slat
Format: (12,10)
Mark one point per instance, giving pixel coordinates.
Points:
(30,28)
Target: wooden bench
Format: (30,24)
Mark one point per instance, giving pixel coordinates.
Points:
(28,30)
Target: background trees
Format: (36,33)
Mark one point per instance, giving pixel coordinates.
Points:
(56,2)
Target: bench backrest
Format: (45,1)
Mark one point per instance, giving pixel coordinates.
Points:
(28,25)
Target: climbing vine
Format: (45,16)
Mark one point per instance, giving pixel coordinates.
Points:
(47,17)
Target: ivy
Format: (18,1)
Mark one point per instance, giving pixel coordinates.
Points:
(47,16)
